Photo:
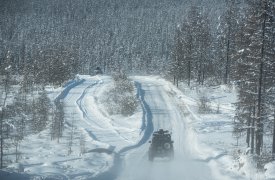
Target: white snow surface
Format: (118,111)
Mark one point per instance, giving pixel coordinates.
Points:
(116,146)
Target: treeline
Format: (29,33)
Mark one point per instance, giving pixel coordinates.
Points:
(241,50)
(77,36)
(203,52)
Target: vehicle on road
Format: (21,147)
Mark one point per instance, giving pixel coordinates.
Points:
(161,145)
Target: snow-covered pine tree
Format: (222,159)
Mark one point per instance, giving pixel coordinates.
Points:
(254,72)
(192,48)
(5,88)
(247,78)
(57,121)
(41,107)
(205,40)
(224,44)
(179,54)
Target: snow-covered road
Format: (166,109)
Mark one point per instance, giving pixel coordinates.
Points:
(160,108)
(165,114)
(127,139)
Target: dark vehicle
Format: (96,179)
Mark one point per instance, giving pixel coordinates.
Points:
(98,71)
(161,145)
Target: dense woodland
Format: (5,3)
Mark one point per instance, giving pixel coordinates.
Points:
(208,42)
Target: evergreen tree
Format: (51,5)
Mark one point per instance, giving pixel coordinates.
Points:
(192,48)
(58,121)
(254,72)
(5,84)
(41,107)
(225,43)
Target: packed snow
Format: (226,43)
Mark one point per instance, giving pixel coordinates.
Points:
(100,146)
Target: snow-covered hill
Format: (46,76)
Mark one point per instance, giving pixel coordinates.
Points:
(98,146)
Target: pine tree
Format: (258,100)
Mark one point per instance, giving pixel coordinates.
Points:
(6,89)
(58,121)
(176,67)
(41,107)
(225,44)
(254,73)
(192,48)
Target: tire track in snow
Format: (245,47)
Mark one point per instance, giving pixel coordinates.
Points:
(82,108)
(67,89)
(64,93)
(147,127)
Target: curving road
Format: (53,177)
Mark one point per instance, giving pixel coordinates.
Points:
(160,111)
(165,114)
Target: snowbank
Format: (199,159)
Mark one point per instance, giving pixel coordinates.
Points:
(270,171)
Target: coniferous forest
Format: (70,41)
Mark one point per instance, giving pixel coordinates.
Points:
(203,42)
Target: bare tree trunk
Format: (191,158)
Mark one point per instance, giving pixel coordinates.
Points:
(259,131)
(199,72)
(203,74)
(6,84)
(273,42)
(253,130)
(227,68)
(248,133)
(2,139)
(259,123)
(189,62)
(71,138)
(273,145)
(189,72)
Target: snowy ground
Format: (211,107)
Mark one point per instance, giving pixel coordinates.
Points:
(115,147)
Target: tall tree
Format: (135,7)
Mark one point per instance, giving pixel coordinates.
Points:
(228,25)
(58,121)
(254,71)
(192,47)
(6,88)
(41,107)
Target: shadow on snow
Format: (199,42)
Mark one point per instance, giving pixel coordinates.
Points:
(147,127)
